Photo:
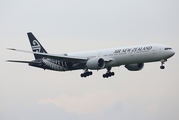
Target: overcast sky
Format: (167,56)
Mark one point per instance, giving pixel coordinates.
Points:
(66,26)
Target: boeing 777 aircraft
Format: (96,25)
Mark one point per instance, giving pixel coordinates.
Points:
(133,58)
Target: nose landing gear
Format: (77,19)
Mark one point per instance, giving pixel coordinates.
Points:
(162,62)
(108,73)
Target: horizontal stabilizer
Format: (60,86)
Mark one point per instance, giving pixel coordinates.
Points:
(22,61)
(53,56)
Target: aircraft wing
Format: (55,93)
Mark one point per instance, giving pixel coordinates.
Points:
(53,56)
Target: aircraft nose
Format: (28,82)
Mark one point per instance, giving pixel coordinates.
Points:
(171,53)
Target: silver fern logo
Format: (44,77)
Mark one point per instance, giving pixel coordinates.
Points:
(36,46)
(53,66)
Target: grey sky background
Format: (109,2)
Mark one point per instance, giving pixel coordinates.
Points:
(66,26)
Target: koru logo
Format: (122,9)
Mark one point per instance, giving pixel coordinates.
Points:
(36,46)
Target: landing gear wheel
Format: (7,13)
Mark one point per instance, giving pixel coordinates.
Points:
(105,76)
(112,73)
(83,75)
(108,73)
(90,73)
(162,67)
(86,73)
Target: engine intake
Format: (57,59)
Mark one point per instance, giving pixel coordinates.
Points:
(135,67)
(95,63)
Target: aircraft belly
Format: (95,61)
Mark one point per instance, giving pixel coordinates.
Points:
(125,59)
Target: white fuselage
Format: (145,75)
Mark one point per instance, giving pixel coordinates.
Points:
(129,55)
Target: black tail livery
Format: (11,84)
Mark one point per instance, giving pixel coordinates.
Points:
(36,46)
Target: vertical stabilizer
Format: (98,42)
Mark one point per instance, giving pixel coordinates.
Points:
(36,46)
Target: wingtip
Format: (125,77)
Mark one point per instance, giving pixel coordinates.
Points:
(8,60)
(10,49)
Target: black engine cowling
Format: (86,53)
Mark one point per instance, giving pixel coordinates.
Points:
(135,67)
(95,63)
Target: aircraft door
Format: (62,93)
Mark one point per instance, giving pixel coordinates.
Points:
(154,50)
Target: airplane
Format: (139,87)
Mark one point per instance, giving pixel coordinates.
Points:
(132,57)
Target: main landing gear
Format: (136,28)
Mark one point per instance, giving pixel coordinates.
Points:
(86,73)
(108,73)
(162,62)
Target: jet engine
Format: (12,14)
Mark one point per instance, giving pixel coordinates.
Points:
(135,67)
(95,63)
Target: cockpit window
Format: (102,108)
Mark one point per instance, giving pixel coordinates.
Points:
(168,48)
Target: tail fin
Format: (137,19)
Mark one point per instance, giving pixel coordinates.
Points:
(36,46)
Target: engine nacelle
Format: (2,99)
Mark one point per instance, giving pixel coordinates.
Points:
(135,67)
(95,63)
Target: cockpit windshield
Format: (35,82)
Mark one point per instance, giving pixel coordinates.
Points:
(168,48)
